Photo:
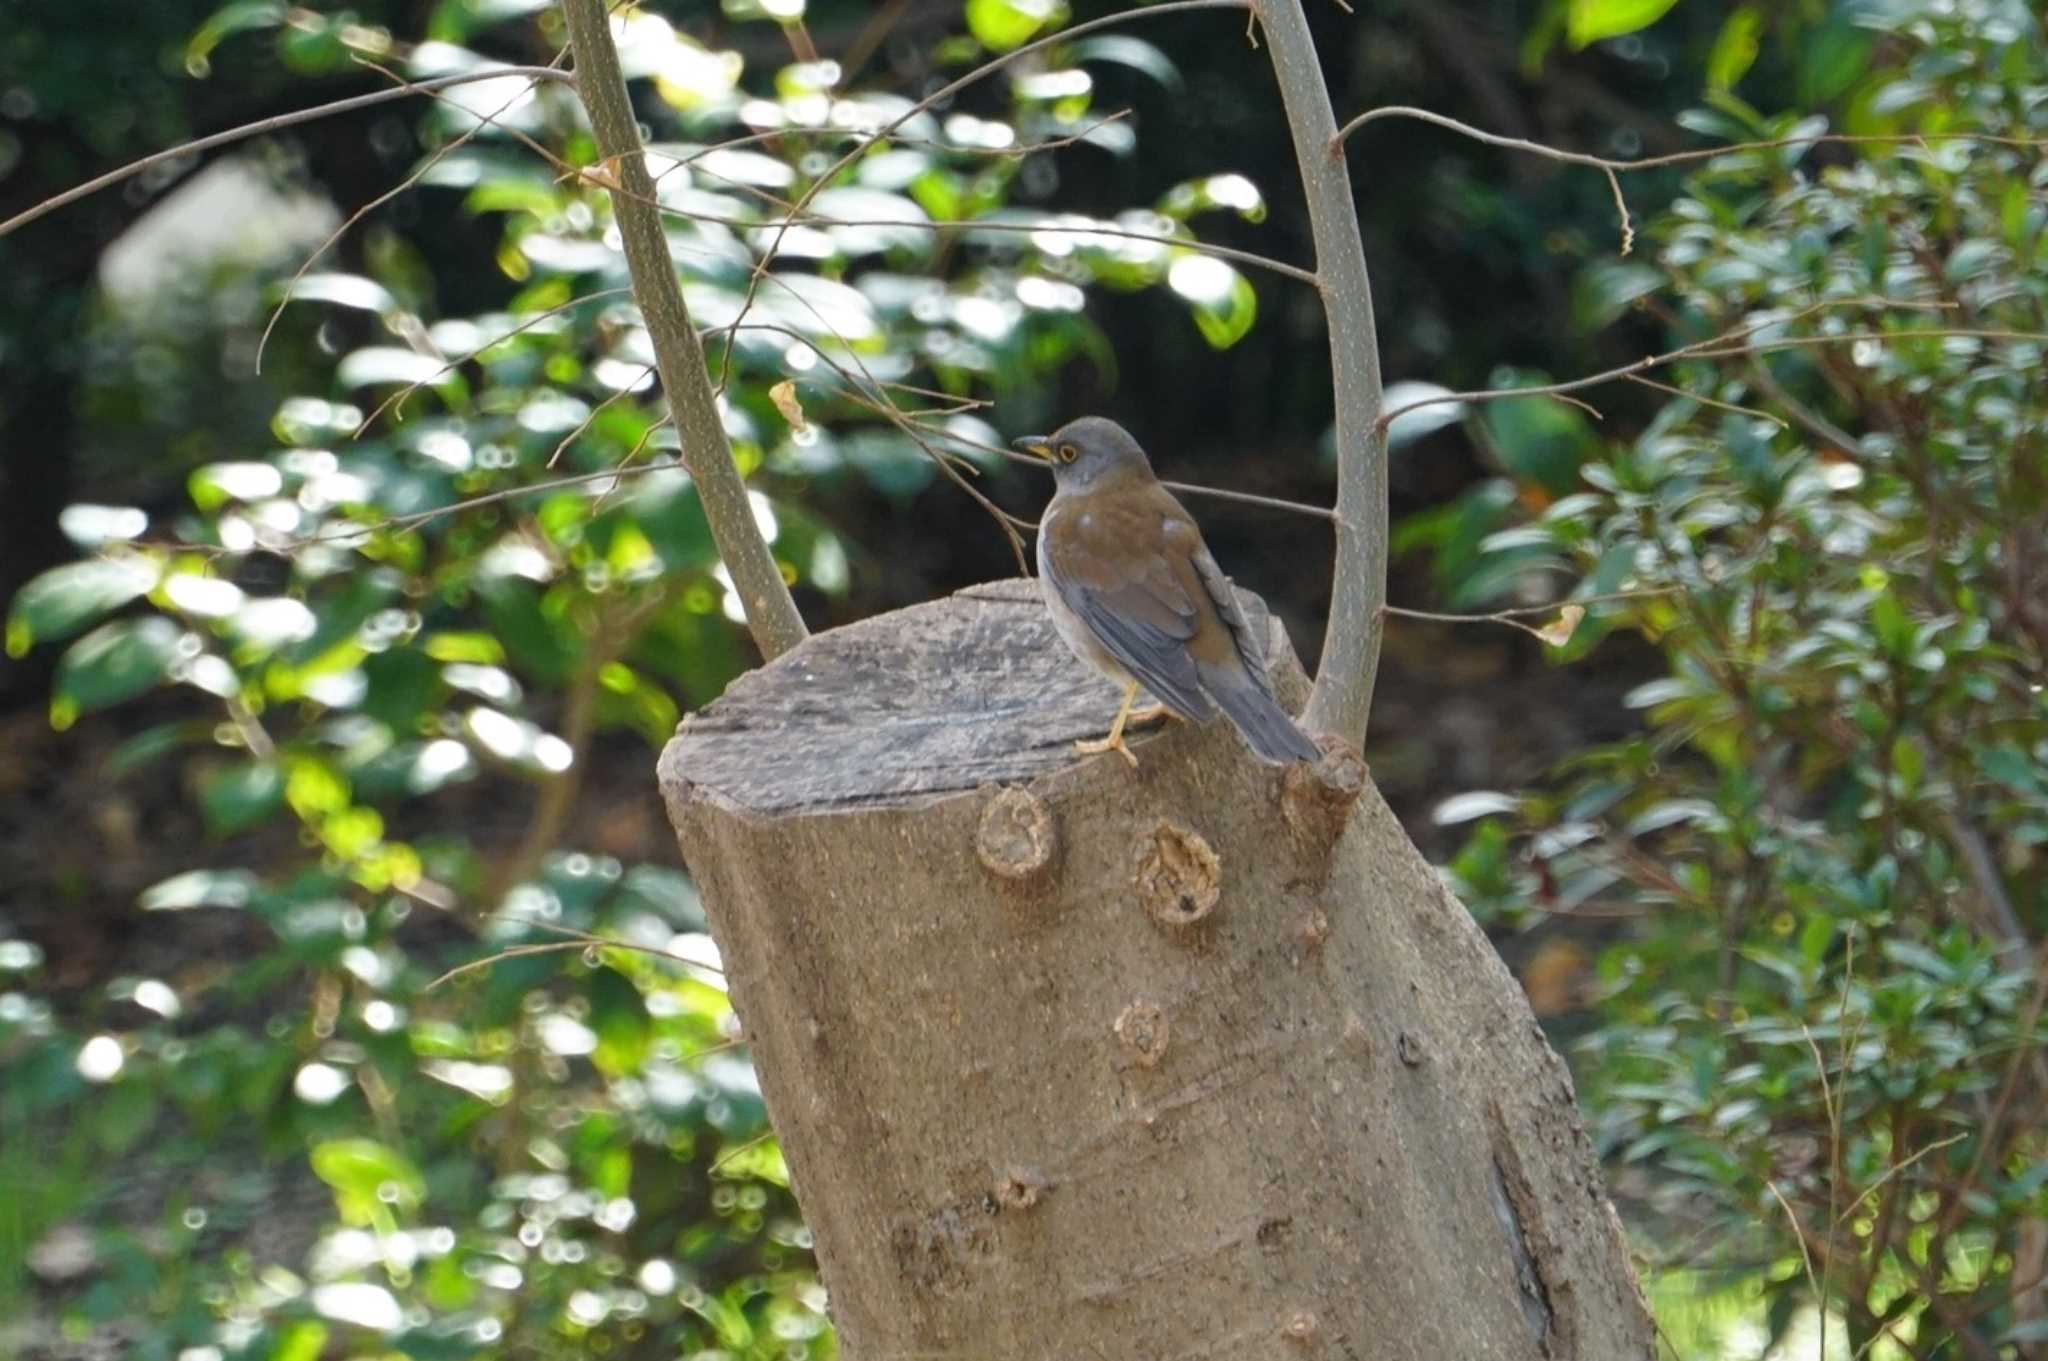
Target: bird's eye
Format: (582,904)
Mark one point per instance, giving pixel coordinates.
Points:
(1066,453)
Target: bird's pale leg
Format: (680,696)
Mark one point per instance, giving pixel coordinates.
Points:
(1115,741)
(1151,713)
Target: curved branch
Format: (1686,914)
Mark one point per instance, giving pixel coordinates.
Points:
(1920,139)
(771,613)
(263,125)
(1341,701)
(1612,166)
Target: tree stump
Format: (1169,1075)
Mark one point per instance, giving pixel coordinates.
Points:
(1073,1060)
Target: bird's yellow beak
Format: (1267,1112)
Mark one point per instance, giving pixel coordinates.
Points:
(1040,445)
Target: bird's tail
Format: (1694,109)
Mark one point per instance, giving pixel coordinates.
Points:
(1256,714)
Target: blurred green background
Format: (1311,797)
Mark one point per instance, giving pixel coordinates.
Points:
(353,1000)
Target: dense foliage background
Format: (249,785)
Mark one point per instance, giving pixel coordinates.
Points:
(352,999)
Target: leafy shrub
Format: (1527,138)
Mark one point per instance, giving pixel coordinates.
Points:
(1819,1040)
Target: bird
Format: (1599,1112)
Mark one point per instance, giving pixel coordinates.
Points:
(1134,593)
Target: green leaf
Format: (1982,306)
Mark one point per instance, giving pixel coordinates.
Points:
(1411,421)
(241,796)
(343,290)
(201,888)
(1908,762)
(1894,630)
(1831,60)
(367,1177)
(66,599)
(240,17)
(113,663)
(1135,53)
(315,788)
(1538,439)
(1222,300)
(377,364)
(543,645)
(1589,21)
(1000,25)
(152,743)
(1735,48)
(300,1341)
(619,1016)
(1605,288)
(1234,193)
(215,484)
(123,1115)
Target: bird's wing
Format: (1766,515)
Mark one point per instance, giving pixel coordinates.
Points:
(1124,565)
(1249,646)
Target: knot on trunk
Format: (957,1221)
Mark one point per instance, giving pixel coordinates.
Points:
(1317,796)
(1015,839)
(1142,1029)
(1180,876)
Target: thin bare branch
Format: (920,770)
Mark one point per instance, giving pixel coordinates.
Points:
(1705,401)
(1612,166)
(868,140)
(1805,1254)
(1530,611)
(582,941)
(1246,257)
(398,398)
(352,533)
(273,124)
(646,371)
(1804,416)
(1189,488)
(1735,341)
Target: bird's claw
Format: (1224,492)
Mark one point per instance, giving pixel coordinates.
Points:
(1114,742)
(1151,713)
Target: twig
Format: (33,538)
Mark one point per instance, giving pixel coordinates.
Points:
(1199,247)
(398,398)
(273,124)
(1705,401)
(1513,617)
(646,371)
(2002,921)
(1734,341)
(414,520)
(1893,1171)
(583,941)
(1188,488)
(1803,415)
(739,1150)
(1834,1114)
(1805,1256)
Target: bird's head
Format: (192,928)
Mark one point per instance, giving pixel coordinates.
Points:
(1087,451)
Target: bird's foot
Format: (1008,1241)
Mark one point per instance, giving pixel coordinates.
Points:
(1114,742)
(1151,713)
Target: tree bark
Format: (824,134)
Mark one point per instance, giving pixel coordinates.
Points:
(1073,1060)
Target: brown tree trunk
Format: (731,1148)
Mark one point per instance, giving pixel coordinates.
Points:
(1071,1060)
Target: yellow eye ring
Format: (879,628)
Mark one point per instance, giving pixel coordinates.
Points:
(1066,452)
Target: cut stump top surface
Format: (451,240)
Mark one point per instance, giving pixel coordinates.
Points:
(972,690)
